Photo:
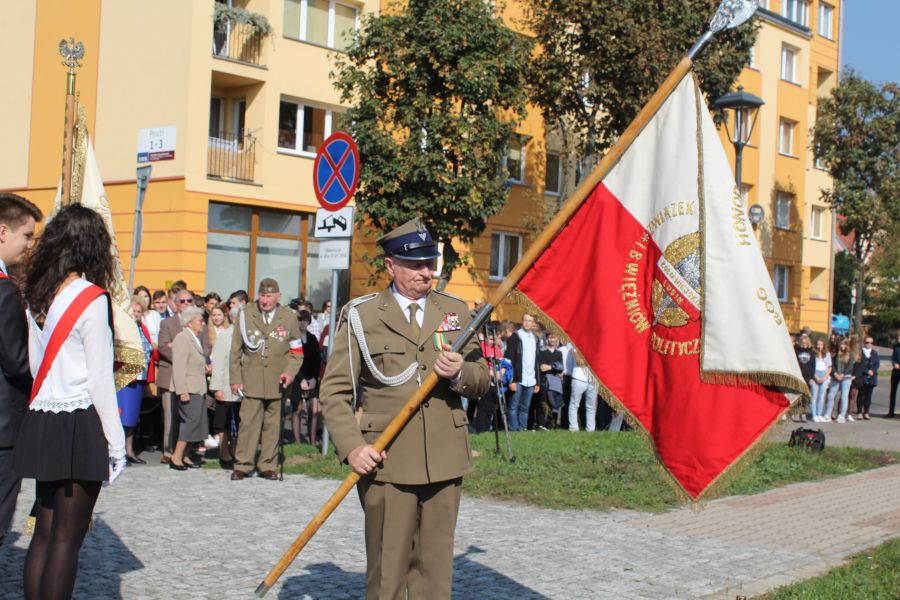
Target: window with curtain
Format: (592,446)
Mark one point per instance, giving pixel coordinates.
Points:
(325,23)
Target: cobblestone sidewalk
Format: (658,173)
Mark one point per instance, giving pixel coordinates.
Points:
(165,534)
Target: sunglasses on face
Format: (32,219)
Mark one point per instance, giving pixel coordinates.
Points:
(185,301)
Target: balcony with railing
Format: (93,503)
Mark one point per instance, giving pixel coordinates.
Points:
(238,35)
(231,156)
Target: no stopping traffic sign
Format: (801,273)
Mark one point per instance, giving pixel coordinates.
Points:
(336,171)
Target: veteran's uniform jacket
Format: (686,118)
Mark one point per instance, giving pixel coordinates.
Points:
(434,444)
(259,371)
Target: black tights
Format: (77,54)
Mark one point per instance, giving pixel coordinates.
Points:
(64,511)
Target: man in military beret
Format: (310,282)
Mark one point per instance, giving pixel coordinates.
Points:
(266,354)
(411,492)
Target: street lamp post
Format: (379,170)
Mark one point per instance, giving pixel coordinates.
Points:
(746,108)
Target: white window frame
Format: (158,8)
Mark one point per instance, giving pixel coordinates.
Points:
(783,202)
(819,163)
(559,181)
(796,11)
(501,256)
(297,150)
(789,55)
(786,126)
(826,21)
(751,60)
(304,5)
(782,279)
(816,219)
(522,141)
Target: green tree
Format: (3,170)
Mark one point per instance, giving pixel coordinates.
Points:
(857,135)
(884,294)
(435,89)
(601,61)
(844,280)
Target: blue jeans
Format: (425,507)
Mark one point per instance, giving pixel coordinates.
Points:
(519,403)
(844,386)
(817,396)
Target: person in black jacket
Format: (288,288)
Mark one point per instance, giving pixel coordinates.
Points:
(17,220)
(304,390)
(895,377)
(807,359)
(521,351)
(870,376)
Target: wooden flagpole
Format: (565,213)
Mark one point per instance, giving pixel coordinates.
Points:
(736,12)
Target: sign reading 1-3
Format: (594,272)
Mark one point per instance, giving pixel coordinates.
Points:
(336,171)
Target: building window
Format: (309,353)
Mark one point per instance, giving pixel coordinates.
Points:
(796,10)
(789,63)
(322,22)
(514,162)
(506,250)
(786,137)
(826,20)
(302,128)
(783,210)
(246,244)
(820,164)
(751,60)
(781,280)
(815,222)
(553,179)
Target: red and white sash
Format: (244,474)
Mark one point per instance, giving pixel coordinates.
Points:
(61,318)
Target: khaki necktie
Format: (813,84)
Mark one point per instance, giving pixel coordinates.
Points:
(413,309)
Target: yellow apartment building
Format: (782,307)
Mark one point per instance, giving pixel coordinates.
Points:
(235,202)
(246,113)
(795,63)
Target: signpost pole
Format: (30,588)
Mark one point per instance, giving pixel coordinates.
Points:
(331,332)
(143,180)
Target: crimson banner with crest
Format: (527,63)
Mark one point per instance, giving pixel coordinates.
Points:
(658,281)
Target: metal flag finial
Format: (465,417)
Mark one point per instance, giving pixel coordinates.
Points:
(732,13)
(729,15)
(72,52)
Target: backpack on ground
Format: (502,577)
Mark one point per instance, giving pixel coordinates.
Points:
(813,439)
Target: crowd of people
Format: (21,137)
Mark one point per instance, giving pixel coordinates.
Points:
(842,373)
(184,401)
(540,380)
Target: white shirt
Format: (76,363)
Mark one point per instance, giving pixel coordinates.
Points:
(578,372)
(404,303)
(82,373)
(3,267)
(153,321)
(565,350)
(529,352)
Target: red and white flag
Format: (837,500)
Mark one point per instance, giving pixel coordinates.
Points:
(659,282)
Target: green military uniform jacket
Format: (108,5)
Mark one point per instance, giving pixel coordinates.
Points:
(434,444)
(259,371)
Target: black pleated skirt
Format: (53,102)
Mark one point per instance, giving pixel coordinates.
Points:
(65,445)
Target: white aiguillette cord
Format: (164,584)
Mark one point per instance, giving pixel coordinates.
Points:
(390,381)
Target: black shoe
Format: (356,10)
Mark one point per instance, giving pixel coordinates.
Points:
(192,465)
(175,467)
(134,460)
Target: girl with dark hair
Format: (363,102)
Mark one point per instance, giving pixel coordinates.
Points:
(71,439)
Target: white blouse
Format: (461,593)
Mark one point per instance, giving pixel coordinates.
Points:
(82,373)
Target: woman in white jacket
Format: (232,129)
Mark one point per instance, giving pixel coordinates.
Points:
(224,423)
(71,438)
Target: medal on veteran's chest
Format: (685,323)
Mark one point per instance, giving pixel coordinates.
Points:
(279,333)
(450,323)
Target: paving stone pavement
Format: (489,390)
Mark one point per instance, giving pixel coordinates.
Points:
(166,534)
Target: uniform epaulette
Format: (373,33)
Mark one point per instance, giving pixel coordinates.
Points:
(361,299)
(443,293)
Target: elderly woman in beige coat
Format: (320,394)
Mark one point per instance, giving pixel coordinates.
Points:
(189,370)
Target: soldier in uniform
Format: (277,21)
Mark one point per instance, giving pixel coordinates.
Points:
(266,354)
(384,347)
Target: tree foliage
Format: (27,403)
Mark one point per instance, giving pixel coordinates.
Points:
(857,135)
(884,297)
(435,89)
(601,61)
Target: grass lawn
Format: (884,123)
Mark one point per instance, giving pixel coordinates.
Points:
(602,470)
(870,575)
